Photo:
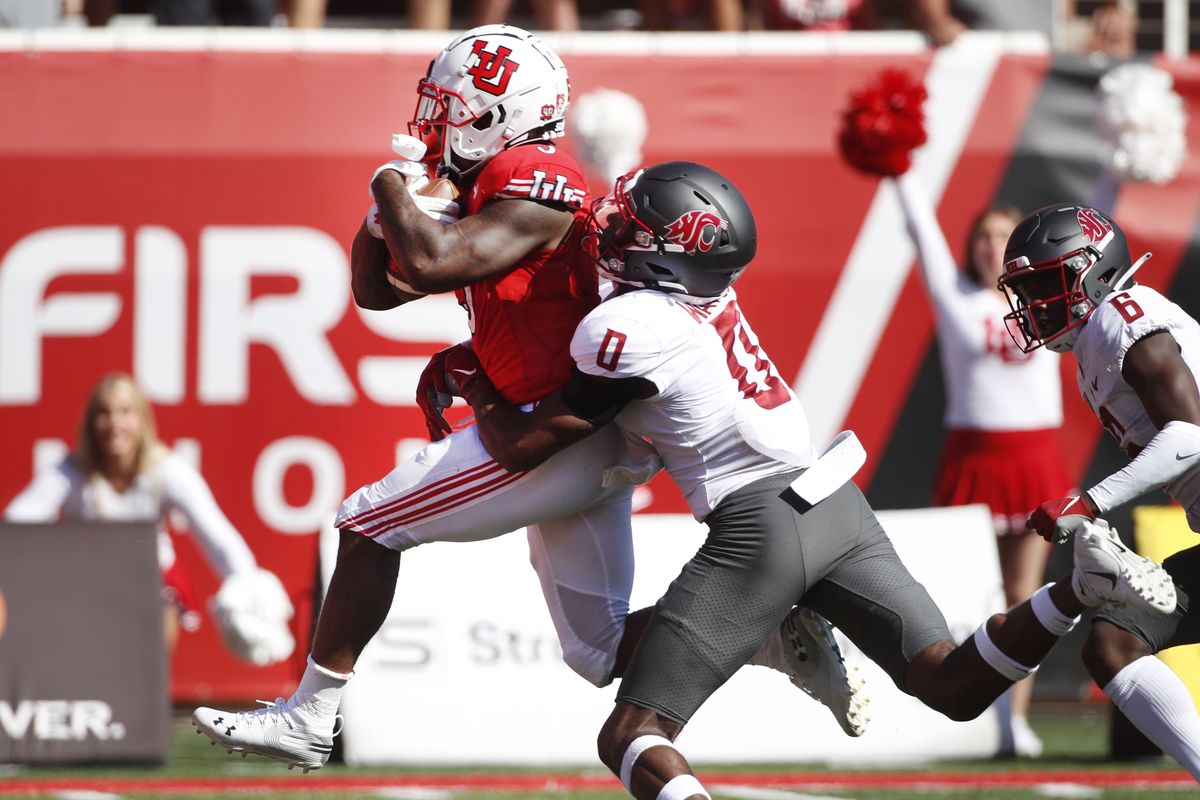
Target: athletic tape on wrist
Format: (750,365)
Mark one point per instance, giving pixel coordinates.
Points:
(638,746)
(682,787)
(401,285)
(997,660)
(1047,613)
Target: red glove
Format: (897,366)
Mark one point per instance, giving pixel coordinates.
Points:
(452,372)
(434,397)
(1057,520)
(464,374)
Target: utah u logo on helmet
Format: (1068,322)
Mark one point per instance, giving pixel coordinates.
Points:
(691,231)
(492,71)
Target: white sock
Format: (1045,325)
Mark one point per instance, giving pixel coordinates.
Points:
(1159,704)
(321,688)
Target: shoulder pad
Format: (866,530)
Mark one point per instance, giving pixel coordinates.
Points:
(538,171)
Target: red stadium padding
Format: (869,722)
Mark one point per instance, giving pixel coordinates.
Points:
(246,174)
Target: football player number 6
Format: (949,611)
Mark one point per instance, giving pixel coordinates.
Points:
(1127,307)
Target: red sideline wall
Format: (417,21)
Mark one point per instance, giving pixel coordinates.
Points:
(190,212)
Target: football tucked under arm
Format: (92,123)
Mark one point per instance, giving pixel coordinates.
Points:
(438,200)
(252,612)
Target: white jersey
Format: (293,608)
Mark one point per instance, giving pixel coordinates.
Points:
(63,492)
(990,384)
(723,417)
(1116,325)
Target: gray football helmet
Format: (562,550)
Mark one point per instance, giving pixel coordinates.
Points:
(1061,262)
(675,227)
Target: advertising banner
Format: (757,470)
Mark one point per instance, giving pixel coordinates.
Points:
(467,669)
(83,673)
(183,205)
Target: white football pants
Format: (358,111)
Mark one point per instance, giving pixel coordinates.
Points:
(576,507)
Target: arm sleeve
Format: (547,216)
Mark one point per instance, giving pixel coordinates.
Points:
(42,500)
(600,399)
(1173,451)
(223,546)
(938,270)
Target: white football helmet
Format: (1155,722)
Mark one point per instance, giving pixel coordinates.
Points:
(493,87)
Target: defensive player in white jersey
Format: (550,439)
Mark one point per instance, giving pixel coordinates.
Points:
(120,471)
(1068,277)
(1003,406)
(488,110)
(673,360)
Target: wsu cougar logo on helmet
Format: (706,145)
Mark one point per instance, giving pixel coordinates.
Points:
(691,231)
(1094,226)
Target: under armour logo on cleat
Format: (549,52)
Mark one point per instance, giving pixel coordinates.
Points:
(1111,578)
(798,647)
(230,729)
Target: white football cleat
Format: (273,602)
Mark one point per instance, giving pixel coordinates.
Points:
(285,730)
(1106,571)
(803,648)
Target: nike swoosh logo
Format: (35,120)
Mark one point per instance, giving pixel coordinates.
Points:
(1185,456)
(1111,578)
(467,373)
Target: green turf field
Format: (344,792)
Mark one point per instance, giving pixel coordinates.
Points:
(1075,766)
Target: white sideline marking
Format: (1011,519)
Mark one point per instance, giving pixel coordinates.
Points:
(882,255)
(86,794)
(412,793)
(756,793)
(1067,790)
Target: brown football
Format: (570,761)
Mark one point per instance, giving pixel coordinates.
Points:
(439,187)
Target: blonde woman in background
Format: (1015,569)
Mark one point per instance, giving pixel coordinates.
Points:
(120,471)
(1003,406)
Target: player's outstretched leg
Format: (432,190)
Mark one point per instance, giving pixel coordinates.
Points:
(1011,645)
(638,745)
(1106,571)
(803,648)
(298,732)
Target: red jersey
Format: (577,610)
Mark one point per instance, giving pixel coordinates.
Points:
(522,320)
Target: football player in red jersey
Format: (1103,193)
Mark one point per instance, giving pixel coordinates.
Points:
(488,111)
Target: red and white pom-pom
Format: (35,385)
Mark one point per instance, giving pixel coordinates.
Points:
(884,123)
